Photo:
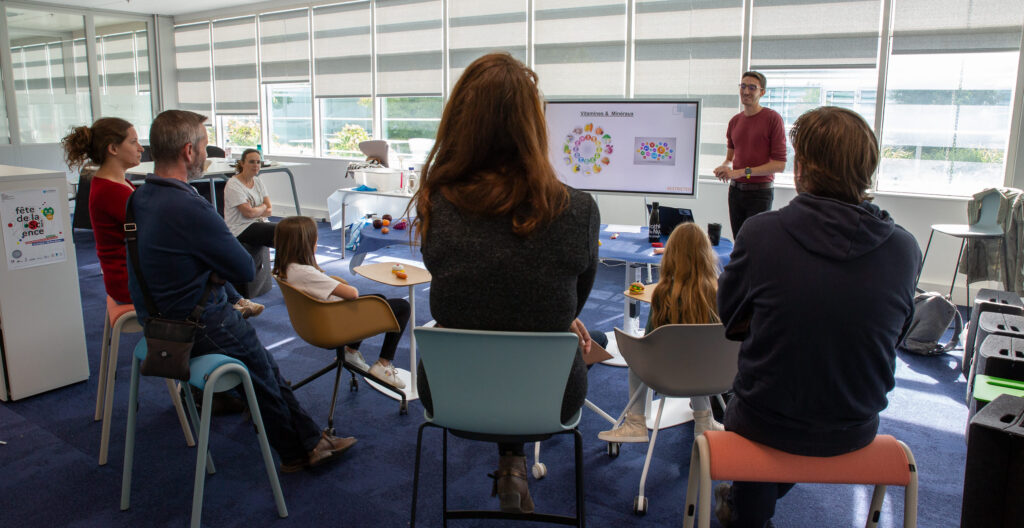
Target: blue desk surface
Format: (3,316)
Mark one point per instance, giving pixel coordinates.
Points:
(634,247)
(628,247)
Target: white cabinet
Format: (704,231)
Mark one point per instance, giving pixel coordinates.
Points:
(42,338)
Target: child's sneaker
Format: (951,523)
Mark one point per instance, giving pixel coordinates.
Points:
(632,430)
(355,358)
(388,374)
(704,421)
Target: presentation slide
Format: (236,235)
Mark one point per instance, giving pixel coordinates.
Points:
(641,147)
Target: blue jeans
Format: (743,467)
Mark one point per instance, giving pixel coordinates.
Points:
(290,430)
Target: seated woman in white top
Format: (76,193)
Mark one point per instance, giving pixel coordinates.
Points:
(246,204)
(295,263)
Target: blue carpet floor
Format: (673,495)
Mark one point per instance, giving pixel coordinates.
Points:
(50,476)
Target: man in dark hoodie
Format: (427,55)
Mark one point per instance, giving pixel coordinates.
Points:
(820,292)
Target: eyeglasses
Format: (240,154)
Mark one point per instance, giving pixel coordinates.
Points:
(753,87)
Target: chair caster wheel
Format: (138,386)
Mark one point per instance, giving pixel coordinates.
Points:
(539,470)
(639,506)
(613,449)
(403,409)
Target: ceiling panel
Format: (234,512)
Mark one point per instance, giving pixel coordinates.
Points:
(150,7)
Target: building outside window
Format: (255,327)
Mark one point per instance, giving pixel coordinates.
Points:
(345,122)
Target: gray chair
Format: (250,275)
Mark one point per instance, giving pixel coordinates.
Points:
(679,361)
(987,227)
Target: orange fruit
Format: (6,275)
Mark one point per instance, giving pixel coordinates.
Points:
(385,222)
(384,230)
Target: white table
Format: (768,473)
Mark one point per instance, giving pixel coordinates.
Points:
(381,272)
(336,204)
(223,169)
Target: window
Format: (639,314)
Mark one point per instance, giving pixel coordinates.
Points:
(345,121)
(194,69)
(793,92)
(476,28)
(691,50)
(235,86)
(405,118)
(5,135)
(580,47)
(50,97)
(290,119)
(947,120)
(122,50)
(237,132)
(949,93)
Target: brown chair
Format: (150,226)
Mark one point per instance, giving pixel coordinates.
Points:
(333,324)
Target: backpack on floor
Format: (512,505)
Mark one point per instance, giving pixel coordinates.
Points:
(932,315)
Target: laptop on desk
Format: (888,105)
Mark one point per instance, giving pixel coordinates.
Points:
(670,218)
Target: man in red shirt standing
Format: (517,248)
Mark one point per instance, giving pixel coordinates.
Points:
(756,151)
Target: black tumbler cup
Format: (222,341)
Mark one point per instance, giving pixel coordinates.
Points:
(714,233)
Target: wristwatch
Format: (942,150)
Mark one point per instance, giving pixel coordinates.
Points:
(747,172)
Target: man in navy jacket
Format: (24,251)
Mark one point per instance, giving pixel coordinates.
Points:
(820,292)
(182,241)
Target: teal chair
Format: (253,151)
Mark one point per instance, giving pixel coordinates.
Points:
(474,375)
(217,373)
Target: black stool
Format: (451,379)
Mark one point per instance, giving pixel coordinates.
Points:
(987,301)
(261,282)
(994,476)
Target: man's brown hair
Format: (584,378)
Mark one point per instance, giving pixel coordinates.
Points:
(757,75)
(170,131)
(836,153)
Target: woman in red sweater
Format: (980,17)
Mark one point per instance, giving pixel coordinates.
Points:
(113,144)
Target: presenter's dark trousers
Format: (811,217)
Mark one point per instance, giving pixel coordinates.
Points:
(753,503)
(746,203)
(258,234)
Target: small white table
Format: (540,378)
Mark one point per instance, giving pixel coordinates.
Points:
(222,169)
(336,204)
(381,272)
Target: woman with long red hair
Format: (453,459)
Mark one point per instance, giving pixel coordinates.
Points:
(509,246)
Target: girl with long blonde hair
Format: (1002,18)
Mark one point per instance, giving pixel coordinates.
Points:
(685,294)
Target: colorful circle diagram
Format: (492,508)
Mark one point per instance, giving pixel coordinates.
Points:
(587,148)
(655,151)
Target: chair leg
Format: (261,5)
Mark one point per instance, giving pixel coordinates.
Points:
(129,436)
(101,375)
(172,388)
(334,399)
(416,475)
(444,478)
(108,397)
(875,511)
(957,270)
(201,452)
(693,486)
(581,517)
(194,414)
(704,498)
(261,436)
(641,505)
(924,258)
(910,492)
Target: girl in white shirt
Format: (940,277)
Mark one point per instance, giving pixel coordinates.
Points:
(246,203)
(295,263)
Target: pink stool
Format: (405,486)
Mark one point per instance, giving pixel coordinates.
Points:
(723,455)
(120,318)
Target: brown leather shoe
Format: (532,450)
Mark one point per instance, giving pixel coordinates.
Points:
(329,447)
(510,485)
(326,449)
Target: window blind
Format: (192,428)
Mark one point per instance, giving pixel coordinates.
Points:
(235,87)
(409,47)
(284,46)
(815,33)
(477,28)
(342,50)
(193,68)
(691,49)
(142,59)
(954,26)
(580,47)
(117,63)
